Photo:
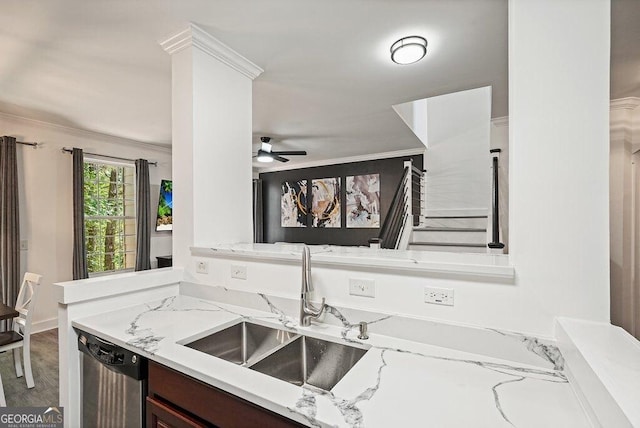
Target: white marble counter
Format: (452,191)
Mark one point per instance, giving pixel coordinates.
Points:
(605,365)
(100,287)
(397,383)
(480,265)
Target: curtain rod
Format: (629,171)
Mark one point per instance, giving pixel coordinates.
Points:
(65,150)
(34,145)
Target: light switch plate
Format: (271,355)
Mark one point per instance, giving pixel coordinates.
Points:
(202,267)
(239,271)
(24,245)
(438,296)
(362,287)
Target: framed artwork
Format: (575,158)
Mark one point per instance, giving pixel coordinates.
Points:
(325,202)
(164,219)
(363,201)
(293,204)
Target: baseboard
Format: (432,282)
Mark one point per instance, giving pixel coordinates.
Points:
(44,325)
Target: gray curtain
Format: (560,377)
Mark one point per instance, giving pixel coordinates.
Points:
(9,222)
(143,215)
(80,270)
(258,219)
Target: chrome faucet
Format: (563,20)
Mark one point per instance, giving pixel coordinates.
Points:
(307,310)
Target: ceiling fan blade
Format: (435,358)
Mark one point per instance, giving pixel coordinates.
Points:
(279,158)
(291,152)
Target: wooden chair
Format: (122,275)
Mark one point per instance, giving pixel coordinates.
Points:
(20,336)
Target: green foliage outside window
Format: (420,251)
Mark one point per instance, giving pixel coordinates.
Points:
(109,207)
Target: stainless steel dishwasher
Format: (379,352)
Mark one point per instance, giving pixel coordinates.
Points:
(114,384)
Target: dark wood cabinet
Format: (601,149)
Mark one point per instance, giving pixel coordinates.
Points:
(163,415)
(179,401)
(164,261)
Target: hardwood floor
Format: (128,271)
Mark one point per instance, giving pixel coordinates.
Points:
(44,363)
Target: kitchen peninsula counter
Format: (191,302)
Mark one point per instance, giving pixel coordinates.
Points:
(398,382)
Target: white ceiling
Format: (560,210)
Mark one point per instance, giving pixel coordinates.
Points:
(328,84)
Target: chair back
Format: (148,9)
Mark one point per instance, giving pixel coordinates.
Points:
(25,303)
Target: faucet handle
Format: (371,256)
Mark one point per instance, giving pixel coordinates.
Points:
(309,309)
(320,310)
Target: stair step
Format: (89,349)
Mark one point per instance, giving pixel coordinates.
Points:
(448,247)
(459,216)
(450,234)
(449,244)
(463,222)
(448,229)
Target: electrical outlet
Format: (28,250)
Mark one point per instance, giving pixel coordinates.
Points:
(438,296)
(24,245)
(239,271)
(362,287)
(202,267)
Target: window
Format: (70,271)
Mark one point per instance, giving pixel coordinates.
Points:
(109,216)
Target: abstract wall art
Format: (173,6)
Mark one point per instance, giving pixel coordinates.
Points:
(363,200)
(293,204)
(325,202)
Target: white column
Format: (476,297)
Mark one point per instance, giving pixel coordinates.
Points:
(211,138)
(559,156)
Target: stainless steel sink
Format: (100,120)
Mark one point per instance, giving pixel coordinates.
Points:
(282,354)
(312,361)
(242,343)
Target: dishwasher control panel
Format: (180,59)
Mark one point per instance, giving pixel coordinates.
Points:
(112,356)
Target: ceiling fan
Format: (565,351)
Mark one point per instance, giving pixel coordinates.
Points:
(265,154)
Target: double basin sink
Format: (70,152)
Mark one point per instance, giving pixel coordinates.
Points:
(292,357)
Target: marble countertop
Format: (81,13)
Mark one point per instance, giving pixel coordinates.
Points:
(476,264)
(397,382)
(606,365)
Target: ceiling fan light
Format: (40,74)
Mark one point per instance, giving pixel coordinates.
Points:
(408,50)
(263,157)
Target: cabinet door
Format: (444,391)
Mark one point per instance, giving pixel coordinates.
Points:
(208,403)
(161,415)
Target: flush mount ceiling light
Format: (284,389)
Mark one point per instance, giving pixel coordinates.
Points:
(408,50)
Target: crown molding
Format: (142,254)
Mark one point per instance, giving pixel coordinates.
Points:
(628,103)
(499,122)
(80,132)
(335,161)
(197,37)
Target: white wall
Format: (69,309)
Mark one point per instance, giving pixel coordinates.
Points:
(46,202)
(414,114)
(457,157)
(559,157)
(559,197)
